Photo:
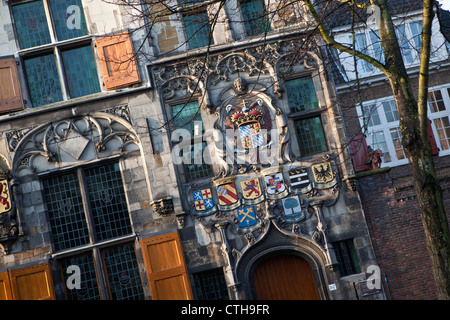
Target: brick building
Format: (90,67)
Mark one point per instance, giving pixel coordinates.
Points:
(370,117)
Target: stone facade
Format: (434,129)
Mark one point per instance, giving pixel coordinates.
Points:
(132,128)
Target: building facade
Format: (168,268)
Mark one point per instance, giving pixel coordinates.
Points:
(179,161)
(371,119)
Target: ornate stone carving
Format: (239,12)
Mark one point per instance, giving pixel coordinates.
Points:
(73,139)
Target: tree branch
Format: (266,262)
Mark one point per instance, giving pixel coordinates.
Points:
(339,46)
(425,49)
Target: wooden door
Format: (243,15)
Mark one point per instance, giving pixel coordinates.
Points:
(166,267)
(285,278)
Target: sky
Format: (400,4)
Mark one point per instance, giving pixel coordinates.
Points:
(445,4)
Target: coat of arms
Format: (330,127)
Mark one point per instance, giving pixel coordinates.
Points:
(292,210)
(248,122)
(324,176)
(5,198)
(275,186)
(246,216)
(251,191)
(226,191)
(203,202)
(299,181)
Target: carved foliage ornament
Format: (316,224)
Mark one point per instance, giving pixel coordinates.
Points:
(82,137)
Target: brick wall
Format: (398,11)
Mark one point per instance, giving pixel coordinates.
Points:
(393,219)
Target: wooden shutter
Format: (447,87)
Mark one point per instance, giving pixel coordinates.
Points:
(32,283)
(10,95)
(5,287)
(117,60)
(434,147)
(166,267)
(358,147)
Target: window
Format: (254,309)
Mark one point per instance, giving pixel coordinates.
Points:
(255,17)
(380,118)
(211,285)
(88,207)
(303,102)
(311,135)
(438,113)
(301,95)
(361,45)
(368,42)
(56,70)
(188,116)
(346,257)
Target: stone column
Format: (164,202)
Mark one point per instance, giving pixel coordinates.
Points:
(321,234)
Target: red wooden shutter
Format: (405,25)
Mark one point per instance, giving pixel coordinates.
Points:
(166,267)
(358,147)
(5,287)
(434,147)
(32,283)
(117,60)
(10,95)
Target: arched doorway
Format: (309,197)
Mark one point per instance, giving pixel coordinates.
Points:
(284,277)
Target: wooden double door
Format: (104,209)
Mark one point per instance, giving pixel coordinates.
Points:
(285,277)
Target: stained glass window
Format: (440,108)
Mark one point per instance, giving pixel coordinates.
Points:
(31,24)
(43,80)
(66,212)
(311,136)
(68,18)
(123,273)
(186,116)
(211,285)
(197,30)
(81,73)
(346,257)
(198,168)
(301,94)
(88,215)
(108,204)
(88,287)
(255,17)
(48,22)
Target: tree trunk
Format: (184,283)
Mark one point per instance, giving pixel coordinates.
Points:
(429,193)
(413,119)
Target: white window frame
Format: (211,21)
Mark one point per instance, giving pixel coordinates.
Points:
(440,114)
(343,36)
(384,126)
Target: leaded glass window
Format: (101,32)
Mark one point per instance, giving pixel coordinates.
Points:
(86,207)
(31,24)
(66,25)
(301,94)
(48,22)
(187,116)
(81,73)
(346,257)
(310,135)
(88,287)
(197,29)
(107,202)
(66,212)
(211,285)
(255,17)
(123,273)
(43,80)
(198,167)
